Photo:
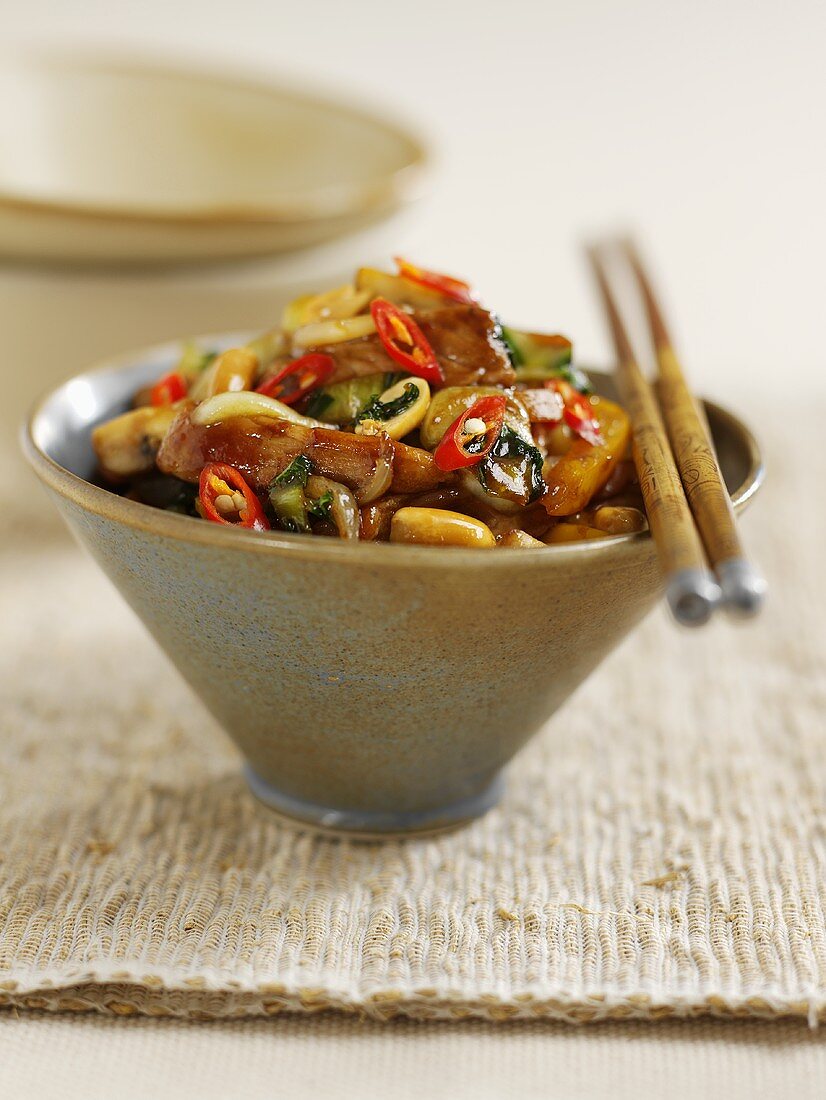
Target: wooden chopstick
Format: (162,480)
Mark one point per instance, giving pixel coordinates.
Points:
(691,591)
(743,588)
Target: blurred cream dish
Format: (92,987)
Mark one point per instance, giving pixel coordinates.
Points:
(393,408)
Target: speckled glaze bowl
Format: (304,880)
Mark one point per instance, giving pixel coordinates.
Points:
(374,688)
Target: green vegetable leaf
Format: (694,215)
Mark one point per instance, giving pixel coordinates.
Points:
(509,340)
(537,359)
(376,409)
(341,402)
(169,493)
(511,447)
(287,495)
(290,507)
(295,474)
(576,377)
(317,404)
(193,361)
(320,509)
(184,501)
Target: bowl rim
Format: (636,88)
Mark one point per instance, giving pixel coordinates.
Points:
(143,517)
(384,192)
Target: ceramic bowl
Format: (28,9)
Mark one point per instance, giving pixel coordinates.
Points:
(375,688)
(199,164)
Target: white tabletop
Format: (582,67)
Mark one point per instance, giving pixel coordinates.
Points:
(700,125)
(348,1059)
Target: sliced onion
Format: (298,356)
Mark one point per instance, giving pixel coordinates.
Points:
(322,333)
(382,475)
(344,510)
(229,406)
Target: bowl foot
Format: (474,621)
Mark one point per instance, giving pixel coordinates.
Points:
(375,823)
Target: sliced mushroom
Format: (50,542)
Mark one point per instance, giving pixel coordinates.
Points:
(452,401)
(410,417)
(128,444)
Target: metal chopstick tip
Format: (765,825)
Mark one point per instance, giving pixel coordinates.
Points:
(743,588)
(692,596)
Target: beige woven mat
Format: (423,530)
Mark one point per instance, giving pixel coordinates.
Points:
(660,850)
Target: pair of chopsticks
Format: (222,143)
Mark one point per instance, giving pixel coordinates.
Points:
(688,505)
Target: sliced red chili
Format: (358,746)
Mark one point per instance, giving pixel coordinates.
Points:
(169,389)
(218,487)
(578,412)
(461,444)
(456,289)
(405,342)
(299,377)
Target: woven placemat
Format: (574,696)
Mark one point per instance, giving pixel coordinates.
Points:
(660,850)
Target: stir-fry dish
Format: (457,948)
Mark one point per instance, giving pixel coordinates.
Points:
(394,408)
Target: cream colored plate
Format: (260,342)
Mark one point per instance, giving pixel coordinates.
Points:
(123,161)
